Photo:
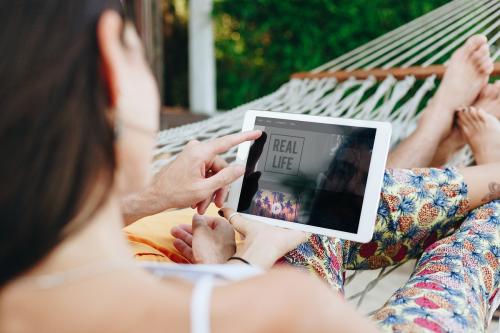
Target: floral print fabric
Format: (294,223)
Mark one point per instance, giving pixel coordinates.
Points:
(417,207)
(454,281)
(422,214)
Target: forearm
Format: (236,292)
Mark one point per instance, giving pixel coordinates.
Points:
(138,205)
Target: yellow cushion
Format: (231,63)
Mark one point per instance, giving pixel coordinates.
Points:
(150,237)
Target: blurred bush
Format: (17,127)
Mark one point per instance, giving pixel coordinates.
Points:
(259,43)
(175,65)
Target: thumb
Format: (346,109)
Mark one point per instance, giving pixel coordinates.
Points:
(224,177)
(239,223)
(199,222)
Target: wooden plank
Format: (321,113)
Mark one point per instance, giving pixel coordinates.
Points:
(380,74)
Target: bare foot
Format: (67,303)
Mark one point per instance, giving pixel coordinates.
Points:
(467,73)
(481,130)
(489,101)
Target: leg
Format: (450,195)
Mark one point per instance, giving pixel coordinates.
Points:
(418,207)
(322,256)
(466,75)
(453,282)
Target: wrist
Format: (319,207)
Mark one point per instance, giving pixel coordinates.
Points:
(239,259)
(139,205)
(260,256)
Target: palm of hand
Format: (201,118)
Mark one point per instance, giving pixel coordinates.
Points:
(209,240)
(213,241)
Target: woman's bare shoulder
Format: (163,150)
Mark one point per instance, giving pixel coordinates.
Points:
(285,300)
(279,301)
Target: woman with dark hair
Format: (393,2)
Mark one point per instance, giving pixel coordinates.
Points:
(79,111)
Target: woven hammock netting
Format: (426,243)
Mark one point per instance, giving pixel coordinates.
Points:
(428,40)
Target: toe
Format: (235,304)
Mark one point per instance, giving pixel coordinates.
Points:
(486,66)
(480,55)
(495,89)
(471,45)
(462,116)
(472,121)
(474,115)
(475,42)
(480,115)
(463,127)
(486,117)
(468,118)
(487,91)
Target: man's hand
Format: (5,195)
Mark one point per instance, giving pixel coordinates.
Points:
(194,179)
(198,175)
(209,240)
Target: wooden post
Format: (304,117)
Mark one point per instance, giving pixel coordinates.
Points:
(148,16)
(202,98)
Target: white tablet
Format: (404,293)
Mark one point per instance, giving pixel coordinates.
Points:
(317,174)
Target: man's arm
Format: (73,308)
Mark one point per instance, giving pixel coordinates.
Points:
(146,203)
(195,178)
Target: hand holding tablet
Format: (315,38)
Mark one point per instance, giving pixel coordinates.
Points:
(263,244)
(316,174)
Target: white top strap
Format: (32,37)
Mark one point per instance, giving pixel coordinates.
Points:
(200,305)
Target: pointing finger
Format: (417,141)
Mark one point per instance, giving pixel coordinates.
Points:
(223,144)
(224,177)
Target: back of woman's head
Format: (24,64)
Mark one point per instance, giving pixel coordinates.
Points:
(56,141)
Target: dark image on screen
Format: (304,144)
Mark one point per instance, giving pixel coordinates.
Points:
(308,173)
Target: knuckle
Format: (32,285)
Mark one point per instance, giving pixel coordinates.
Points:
(195,151)
(193,142)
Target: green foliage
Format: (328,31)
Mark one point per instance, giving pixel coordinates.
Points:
(175,53)
(259,43)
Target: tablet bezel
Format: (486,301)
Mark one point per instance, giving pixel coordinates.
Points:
(373,184)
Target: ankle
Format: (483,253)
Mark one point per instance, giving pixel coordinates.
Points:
(430,132)
(440,106)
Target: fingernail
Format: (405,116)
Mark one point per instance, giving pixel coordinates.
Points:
(220,213)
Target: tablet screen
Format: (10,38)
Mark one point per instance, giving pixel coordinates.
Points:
(309,173)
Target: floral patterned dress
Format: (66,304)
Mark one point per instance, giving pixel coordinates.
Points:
(423,214)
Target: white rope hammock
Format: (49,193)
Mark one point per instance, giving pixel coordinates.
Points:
(425,41)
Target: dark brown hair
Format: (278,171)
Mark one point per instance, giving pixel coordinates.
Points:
(56,141)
